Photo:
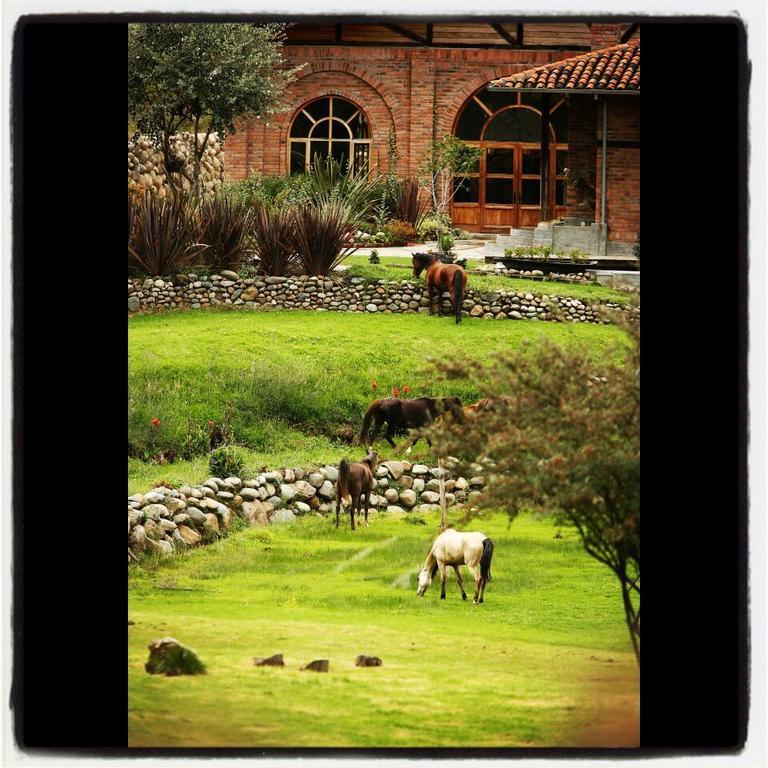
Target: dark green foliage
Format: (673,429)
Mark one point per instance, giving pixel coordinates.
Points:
(224,228)
(164,233)
(374,257)
(170,658)
(272,233)
(406,204)
(201,78)
(225,461)
(323,236)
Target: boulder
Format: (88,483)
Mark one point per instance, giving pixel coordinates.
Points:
(327,490)
(301,508)
(419,469)
(395,469)
(316,479)
(391,495)
(331,473)
(395,510)
(430,497)
(283,516)
(407,498)
(168,656)
(153,497)
(191,538)
(305,491)
(175,505)
(137,540)
(287,492)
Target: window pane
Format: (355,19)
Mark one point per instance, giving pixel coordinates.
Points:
(467,190)
(298,156)
(340,153)
(514,125)
(361,157)
(559,192)
(339,130)
(320,131)
(561,163)
(500,161)
(471,122)
(496,100)
(359,127)
(531,161)
(531,192)
(499,191)
(343,109)
(559,121)
(319,108)
(301,125)
(317,148)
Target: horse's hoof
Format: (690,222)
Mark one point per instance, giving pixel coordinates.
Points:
(442,597)
(463,596)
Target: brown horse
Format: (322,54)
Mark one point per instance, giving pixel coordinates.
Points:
(443,277)
(356,481)
(488,403)
(401,415)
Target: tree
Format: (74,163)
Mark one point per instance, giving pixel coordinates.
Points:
(201,77)
(446,158)
(562,435)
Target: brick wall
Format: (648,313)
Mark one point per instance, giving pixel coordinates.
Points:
(394,86)
(623,171)
(582,116)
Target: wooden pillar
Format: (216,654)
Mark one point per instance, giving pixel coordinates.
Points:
(546,192)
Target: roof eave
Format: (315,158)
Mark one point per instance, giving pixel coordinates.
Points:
(578,91)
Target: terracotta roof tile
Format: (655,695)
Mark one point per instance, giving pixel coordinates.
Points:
(612,69)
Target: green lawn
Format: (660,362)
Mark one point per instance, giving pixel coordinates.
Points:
(399,268)
(299,382)
(545,661)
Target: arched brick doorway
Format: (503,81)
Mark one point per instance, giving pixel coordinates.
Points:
(504,190)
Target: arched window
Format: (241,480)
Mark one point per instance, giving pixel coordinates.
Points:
(329,126)
(506,125)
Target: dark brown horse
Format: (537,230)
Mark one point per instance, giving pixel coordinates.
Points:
(443,277)
(356,480)
(401,415)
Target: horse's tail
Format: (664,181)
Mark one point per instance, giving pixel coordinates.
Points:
(458,292)
(342,481)
(485,559)
(372,409)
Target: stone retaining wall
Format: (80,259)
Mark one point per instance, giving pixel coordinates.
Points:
(146,169)
(168,520)
(355,295)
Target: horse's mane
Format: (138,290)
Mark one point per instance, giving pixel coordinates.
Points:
(427,258)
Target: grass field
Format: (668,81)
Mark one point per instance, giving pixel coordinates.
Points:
(545,661)
(300,382)
(399,268)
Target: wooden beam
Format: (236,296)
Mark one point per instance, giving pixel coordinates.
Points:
(430,28)
(407,33)
(520,34)
(337,34)
(503,33)
(545,165)
(629,32)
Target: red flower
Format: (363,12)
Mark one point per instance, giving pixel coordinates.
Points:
(406,389)
(155,422)
(395,392)
(374,385)
(211,422)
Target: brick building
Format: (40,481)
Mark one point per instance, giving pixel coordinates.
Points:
(365,88)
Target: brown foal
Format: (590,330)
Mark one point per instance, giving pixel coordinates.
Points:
(356,481)
(443,277)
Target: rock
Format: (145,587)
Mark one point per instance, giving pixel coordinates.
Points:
(367,661)
(288,476)
(275,501)
(175,505)
(316,479)
(153,497)
(331,473)
(301,508)
(212,522)
(138,497)
(395,510)
(407,498)
(391,495)
(234,482)
(430,497)
(424,509)
(305,491)
(327,490)
(319,665)
(418,484)
(419,469)
(167,525)
(283,516)
(287,492)
(191,538)
(229,274)
(196,516)
(249,294)
(515,315)
(395,469)
(461,484)
(137,540)
(382,471)
(432,485)
(477,482)
(168,656)
(252,509)
(371,308)
(225,495)
(133,304)
(476,311)
(272,661)
(135,516)
(438,472)
(406,481)
(155,511)
(249,494)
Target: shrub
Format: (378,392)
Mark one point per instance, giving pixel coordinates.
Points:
(272,232)
(429,225)
(225,461)
(224,228)
(446,243)
(374,257)
(162,240)
(399,232)
(405,203)
(323,236)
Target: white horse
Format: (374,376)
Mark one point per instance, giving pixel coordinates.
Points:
(452,549)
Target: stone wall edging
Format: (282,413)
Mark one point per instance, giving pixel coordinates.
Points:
(164,521)
(353,295)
